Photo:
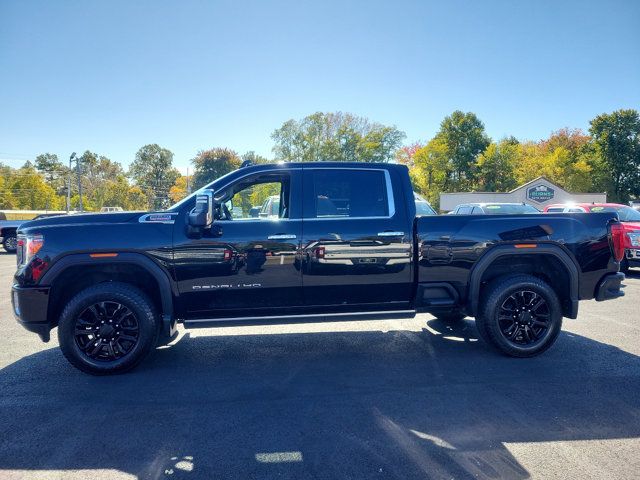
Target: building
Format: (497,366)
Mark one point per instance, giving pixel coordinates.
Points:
(538,192)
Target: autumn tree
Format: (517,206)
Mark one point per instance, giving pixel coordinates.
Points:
(495,166)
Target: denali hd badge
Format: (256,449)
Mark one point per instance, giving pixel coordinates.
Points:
(169,218)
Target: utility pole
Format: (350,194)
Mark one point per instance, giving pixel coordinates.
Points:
(79,170)
(188,184)
(73,155)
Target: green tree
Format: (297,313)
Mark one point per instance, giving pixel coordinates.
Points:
(55,173)
(496,165)
(616,137)
(464,136)
(431,173)
(335,136)
(212,164)
(153,172)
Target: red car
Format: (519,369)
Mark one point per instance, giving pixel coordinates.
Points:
(629,217)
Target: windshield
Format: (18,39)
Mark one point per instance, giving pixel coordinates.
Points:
(422,206)
(502,209)
(211,185)
(626,214)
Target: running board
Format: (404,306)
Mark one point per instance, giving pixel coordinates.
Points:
(304,318)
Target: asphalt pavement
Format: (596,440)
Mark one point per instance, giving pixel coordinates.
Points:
(398,399)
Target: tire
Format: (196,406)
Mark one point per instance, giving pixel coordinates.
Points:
(520,315)
(624,266)
(450,317)
(10,244)
(135,328)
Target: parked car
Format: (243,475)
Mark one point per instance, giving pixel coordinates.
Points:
(423,207)
(270,207)
(629,218)
(494,209)
(8,229)
(115,285)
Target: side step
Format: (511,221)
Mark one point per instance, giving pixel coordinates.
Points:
(308,318)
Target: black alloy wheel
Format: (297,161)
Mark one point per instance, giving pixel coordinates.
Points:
(106,331)
(524,318)
(108,328)
(520,315)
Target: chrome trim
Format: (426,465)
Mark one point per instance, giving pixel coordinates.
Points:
(316,316)
(283,236)
(391,234)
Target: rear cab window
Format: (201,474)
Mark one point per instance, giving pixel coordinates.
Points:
(338,193)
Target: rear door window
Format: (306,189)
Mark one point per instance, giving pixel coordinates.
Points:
(348,194)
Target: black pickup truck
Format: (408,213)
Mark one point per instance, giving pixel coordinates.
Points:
(346,244)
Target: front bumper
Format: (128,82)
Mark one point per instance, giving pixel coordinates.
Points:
(610,287)
(633,256)
(30,307)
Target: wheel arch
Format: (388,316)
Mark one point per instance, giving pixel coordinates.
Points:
(549,262)
(74,272)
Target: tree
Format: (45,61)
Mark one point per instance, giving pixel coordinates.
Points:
(495,167)
(254,158)
(153,173)
(179,189)
(53,170)
(335,136)
(101,177)
(465,139)
(616,137)
(432,171)
(30,191)
(212,164)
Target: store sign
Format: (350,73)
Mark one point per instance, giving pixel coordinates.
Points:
(540,193)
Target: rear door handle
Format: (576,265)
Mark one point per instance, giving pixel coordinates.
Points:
(282,236)
(391,234)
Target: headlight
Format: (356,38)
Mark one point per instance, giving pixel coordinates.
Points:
(28,246)
(634,238)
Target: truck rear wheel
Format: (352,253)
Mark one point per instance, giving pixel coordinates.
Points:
(520,315)
(10,243)
(108,328)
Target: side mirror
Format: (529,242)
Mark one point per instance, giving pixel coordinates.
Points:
(202,214)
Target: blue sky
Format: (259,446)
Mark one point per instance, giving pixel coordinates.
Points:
(112,76)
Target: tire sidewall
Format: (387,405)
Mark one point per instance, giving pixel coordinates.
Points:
(492,326)
(132,299)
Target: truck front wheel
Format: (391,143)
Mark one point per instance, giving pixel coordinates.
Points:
(520,315)
(108,328)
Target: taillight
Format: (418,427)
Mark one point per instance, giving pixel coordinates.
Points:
(227,255)
(320,252)
(617,241)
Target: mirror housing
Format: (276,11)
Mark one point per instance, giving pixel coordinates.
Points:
(202,214)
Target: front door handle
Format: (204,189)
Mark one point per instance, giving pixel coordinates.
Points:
(282,236)
(391,234)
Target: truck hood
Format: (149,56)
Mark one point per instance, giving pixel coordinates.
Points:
(84,219)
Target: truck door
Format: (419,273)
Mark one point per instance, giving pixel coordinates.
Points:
(357,238)
(244,263)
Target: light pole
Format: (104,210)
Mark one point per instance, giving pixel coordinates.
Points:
(73,155)
(79,173)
